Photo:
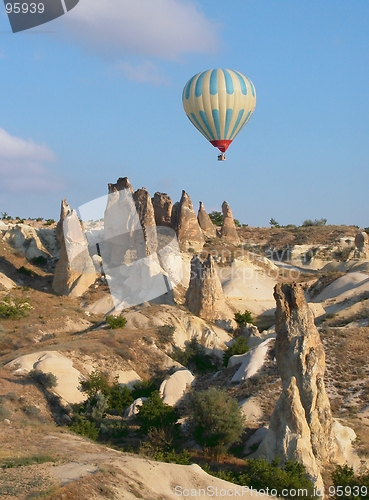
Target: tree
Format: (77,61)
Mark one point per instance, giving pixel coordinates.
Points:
(239,346)
(195,358)
(216,218)
(245,317)
(274,223)
(117,398)
(96,382)
(154,414)
(216,418)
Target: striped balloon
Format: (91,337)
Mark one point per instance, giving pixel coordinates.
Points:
(219,103)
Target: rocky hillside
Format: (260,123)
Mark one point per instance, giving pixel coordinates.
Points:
(174,277)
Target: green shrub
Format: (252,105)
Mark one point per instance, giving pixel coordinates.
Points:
(143,389)
(260,474)
(245,317)
(195,358)
(13,307)
(48,380)
(216,419)
(96,382)
(316,222)
(49,222)
(173,457)
(9,463)
(155,414)
(116,322)
(348,485)
(239,346)
(119,398)
(81,425)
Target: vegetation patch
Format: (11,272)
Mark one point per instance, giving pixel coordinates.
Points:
(14,307)
(116,322)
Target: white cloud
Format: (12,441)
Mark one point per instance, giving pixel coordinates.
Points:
(144,72)
(22,165)
(163,29)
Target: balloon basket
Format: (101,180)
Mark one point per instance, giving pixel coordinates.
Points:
(221,157)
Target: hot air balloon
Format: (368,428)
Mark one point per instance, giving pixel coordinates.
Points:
(219,103)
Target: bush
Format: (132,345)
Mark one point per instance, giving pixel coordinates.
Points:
(48,380)
(116,322)
(155,414)
(81,425)
(165,334)
(260,475)
(49,222)
(14,308)
(117,398)
(195,358)
(239,346)
(216,418)
(96,382)
(316,222)
(173,457)
(143,389)
(355,486)
(245,317)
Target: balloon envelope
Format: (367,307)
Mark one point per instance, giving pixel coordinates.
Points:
(219,103)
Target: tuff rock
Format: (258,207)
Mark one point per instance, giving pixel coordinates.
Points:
(74,271)
(186,225)
(301,427)
(205,223)
(162,204)
(146,216)
(228,231)
(204,296)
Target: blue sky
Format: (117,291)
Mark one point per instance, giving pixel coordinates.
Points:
(96,95)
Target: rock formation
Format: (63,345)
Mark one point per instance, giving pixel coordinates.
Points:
(146,216)
(174,216)
(205,223)
(74,271)
(187,228)
(25,239)
(124,239)
(205,296)
(301,426)
(133,253)
(228,231)
(362,245)
(122,183)
(162,204)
